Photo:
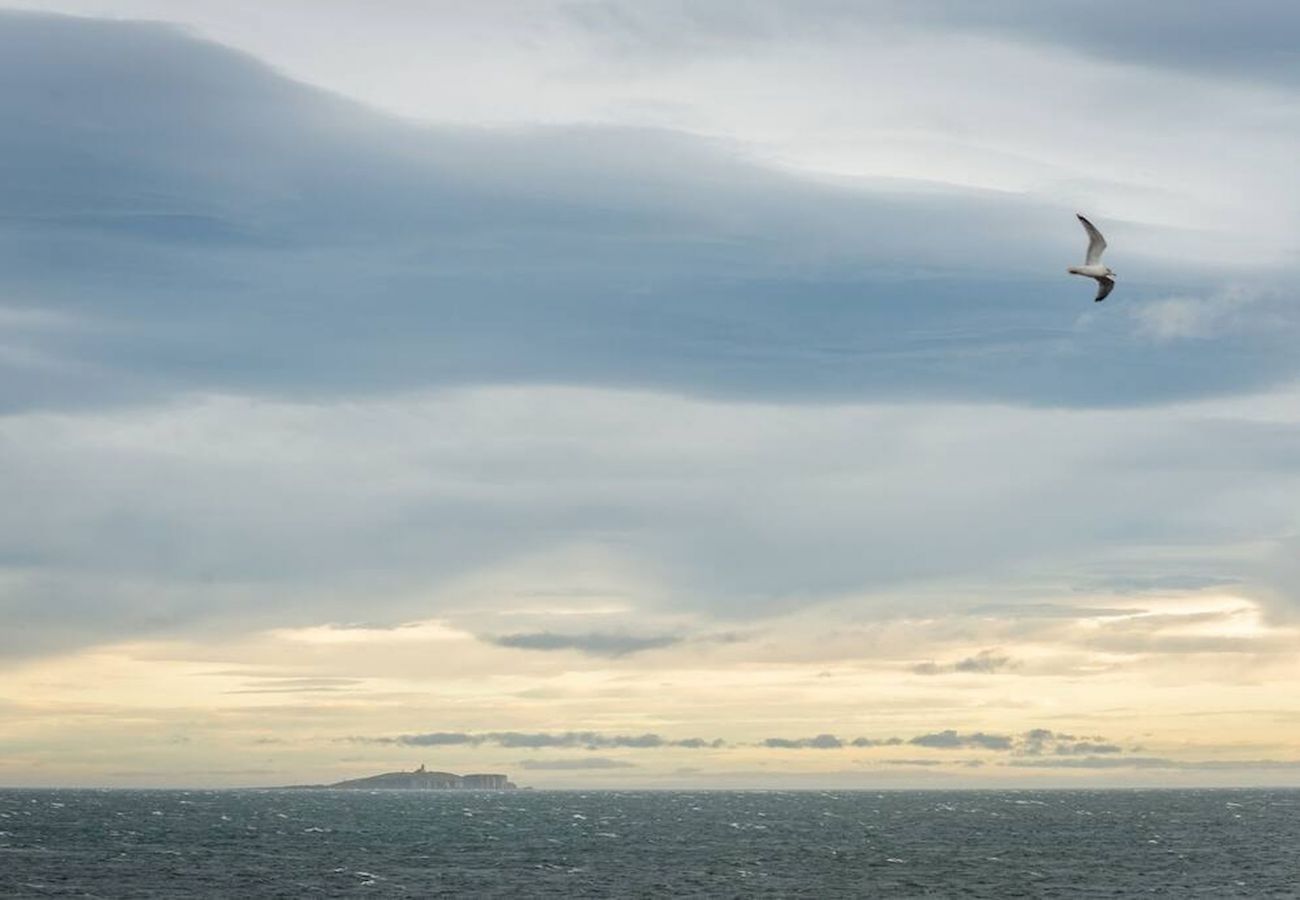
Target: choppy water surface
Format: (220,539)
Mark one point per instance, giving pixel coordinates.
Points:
(610,844)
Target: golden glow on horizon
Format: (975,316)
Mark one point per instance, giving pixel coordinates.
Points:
(331,691)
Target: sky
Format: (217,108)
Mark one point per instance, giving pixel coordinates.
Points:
(648,394)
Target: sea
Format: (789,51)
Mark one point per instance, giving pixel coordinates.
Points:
(822,844)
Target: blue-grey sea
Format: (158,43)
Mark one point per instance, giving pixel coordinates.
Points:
(1214,843)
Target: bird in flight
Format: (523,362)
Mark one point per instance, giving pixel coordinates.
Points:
(1092,266)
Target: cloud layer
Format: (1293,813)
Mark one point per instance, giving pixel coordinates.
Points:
(228,511)
(594,643)
(395,256)
(510,739)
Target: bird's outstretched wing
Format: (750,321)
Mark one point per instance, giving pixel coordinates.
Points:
(1096,243)
(1104,287)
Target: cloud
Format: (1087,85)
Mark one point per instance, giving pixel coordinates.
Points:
(820,742)
(590,740)
(142,521)
(1052,611)
(1083,748)
(1032,743)
(1245,50)
(692,272)
(951,740)
(674,251)
(1037,741)
(1130,583)
(698,743)
(297,685)
(1186,633)
(592,643)
(986,662)
(1278,573)
(1202,318)
(1163,33)
(1152,762)
(583,762)
(432,739)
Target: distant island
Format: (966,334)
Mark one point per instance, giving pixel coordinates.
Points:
(419,780)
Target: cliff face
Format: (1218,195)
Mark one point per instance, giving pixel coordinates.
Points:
(421,780)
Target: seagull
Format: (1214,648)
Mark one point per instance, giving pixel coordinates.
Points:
(1092,266)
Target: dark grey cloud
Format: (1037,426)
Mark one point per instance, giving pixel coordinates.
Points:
(1154,762)
(433,739)
(1038,741)
(820,742)
(986,662)
(1033,742)
(320,248)
(593,643)
(1036,748)
(1085,748)
(952,740)
(582,762)
(590,740)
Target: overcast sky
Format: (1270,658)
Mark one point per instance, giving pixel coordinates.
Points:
(648,393)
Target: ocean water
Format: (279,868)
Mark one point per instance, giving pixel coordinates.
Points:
(1223,843)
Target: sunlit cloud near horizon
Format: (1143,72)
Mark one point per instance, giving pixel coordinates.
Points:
(647,395)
